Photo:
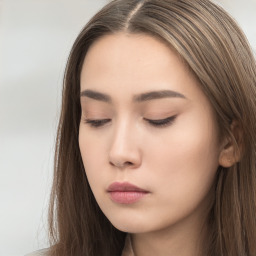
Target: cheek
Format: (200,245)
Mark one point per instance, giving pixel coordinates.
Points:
(91,149)
(186,163)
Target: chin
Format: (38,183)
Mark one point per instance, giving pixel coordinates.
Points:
(134,228)
(130,224)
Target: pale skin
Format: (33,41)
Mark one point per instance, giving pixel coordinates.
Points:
(175,162)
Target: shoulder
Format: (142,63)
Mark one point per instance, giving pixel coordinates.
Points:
(42,252)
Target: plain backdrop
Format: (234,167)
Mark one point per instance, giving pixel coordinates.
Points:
(35,39)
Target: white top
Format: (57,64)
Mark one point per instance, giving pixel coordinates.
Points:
(38,253)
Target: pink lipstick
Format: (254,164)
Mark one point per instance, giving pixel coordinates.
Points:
(125,193)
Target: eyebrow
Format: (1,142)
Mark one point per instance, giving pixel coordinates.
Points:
(153,95)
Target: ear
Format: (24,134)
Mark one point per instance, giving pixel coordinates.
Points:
(231,147)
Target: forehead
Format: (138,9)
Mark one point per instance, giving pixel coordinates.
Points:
(124,50)
(134,63)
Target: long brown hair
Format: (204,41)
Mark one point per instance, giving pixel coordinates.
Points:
(217,52)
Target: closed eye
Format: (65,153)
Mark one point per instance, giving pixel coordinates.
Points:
(161,122)
(96,122)
(154,122)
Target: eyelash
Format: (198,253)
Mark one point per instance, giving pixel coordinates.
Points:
(161,122)
(157,123)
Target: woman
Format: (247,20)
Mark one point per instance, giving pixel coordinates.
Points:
(156,147)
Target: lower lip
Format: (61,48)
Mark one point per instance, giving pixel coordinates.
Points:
(127,197)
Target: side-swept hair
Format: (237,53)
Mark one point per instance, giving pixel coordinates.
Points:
(217,52)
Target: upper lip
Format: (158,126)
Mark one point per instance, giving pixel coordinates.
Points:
(124,186)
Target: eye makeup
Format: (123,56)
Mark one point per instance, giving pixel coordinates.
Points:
(95,123)
(161,122)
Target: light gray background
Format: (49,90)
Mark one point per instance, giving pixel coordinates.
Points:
(35,39)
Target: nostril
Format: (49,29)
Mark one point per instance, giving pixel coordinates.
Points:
(121,165)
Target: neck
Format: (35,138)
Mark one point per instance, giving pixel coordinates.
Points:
(186,238)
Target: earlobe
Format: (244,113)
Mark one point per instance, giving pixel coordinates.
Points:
(231,147)
(227,157)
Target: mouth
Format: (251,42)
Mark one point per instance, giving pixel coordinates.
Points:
(126,193)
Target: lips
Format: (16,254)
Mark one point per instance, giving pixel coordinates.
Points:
(125,193)
(128,187)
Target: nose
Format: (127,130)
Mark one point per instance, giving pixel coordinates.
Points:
(124,149)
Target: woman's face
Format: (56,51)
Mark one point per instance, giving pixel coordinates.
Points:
(145,121)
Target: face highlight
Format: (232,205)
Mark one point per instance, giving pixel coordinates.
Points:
(146,121)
